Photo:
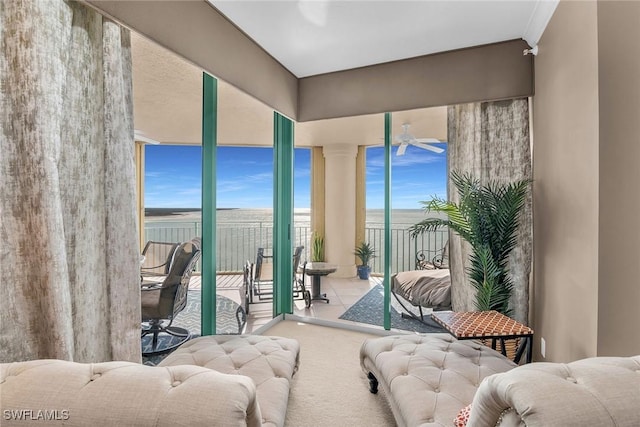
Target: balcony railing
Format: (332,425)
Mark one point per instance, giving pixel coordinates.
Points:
(239,241)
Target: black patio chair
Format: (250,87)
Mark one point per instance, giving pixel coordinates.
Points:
(161,303)
(157,258)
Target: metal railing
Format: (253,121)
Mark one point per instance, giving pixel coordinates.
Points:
(239,241)
(404,247)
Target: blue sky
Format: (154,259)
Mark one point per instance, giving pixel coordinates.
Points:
(416,176)
(245,177)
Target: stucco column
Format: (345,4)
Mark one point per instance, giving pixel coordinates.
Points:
(340,207)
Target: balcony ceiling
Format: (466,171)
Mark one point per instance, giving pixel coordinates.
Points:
(316,36)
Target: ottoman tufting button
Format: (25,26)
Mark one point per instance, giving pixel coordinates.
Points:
(573,380)
(95,377)
(176,383)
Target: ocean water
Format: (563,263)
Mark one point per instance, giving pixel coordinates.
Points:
(240,232)
(302,216)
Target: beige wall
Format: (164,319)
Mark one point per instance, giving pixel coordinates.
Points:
(586,153)
(482,73)
(565,171)
(619,273)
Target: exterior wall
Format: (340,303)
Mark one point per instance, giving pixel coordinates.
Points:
(619,272)
(565,171)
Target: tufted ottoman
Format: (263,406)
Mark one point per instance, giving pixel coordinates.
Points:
(269,361)
(428,378)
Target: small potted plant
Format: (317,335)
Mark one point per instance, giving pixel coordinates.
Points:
(365,252)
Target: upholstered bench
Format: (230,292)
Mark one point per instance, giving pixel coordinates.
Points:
(71,394)
(428,378)
(269,361)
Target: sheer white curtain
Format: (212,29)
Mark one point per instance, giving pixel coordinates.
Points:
(69,254)
(490,140)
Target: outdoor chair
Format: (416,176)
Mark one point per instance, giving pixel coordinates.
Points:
(247,273)
(441,260)
(162,302)
(157,257)
(260,285)
(428,286)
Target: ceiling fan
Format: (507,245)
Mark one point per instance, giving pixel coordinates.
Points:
(405,139)
(140,136)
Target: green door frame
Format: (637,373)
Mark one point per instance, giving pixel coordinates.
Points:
(283,214)
(209,143)
(387,221)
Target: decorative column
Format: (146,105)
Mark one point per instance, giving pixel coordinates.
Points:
(317,190)
(340,207)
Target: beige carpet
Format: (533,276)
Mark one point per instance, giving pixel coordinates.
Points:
(330,388)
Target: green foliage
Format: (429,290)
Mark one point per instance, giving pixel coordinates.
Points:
(317,247)
(365,252)
(487,217)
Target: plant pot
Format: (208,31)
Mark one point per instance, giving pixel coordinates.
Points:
(363,272)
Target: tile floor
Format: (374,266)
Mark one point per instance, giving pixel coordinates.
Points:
(342,293)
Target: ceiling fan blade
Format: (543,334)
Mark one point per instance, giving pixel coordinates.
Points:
(429,147)
(427,140)
(401,149)
(140,136)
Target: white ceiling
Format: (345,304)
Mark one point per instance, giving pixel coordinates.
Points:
(315,36)
(311,37)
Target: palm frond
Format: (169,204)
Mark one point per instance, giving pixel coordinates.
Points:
(493,287)
(488,217)
(457,222)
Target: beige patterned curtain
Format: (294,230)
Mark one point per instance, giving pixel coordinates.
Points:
(490,140)
(69,255)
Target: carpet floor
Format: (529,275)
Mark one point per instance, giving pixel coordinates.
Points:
(369,309)
(330,389)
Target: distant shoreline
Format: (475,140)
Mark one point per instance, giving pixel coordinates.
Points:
(176,211)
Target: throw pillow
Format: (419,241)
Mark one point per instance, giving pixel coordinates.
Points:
(463,417)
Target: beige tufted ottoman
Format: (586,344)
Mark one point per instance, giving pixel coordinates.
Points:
(269,361)
(428,378)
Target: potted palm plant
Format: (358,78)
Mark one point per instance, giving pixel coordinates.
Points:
(487,216)
(365,252)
